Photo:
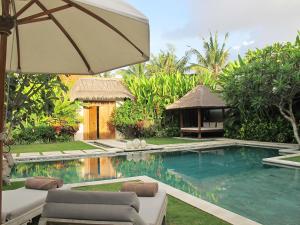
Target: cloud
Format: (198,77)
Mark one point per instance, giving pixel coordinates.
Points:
(264,21)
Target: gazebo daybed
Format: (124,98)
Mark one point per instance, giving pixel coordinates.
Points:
(201,111)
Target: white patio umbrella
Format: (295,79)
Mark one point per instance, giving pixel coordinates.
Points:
(68,37)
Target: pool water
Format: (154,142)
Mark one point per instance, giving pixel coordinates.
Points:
(232,177)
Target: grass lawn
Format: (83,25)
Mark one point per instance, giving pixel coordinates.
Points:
(294,159)
(13,186)
(165,141)
(178,212)
(63,146)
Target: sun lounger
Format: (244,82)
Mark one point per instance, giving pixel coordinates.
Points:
(21,205)
(119,208)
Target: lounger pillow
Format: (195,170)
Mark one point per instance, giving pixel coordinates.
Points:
(40,184)
(142,189)
(93,197)
(58,181)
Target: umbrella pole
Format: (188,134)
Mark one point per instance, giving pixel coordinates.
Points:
(3,47)
(6,24)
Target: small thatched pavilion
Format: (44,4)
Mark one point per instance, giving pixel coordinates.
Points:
(100,97)
(201,111)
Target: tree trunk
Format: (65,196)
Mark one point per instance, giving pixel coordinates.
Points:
(289,115)
(296,132)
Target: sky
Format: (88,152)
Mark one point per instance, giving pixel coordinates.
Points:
(250,23)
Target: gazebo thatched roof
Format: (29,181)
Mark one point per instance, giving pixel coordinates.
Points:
(199,97)
(99,89)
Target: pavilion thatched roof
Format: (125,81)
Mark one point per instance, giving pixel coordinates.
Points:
(199,97)
(99,89)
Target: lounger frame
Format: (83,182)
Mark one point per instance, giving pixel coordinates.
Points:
(26,217)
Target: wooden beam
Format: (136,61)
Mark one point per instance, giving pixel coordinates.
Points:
(181,121)
(34,20)
(199,122)
(24,8)
(223,114)
(58,24)
(46,12)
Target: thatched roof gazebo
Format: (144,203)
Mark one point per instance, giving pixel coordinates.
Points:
(100,96)
(201,111)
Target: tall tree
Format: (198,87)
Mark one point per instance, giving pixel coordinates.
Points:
(214,58)
(265,79)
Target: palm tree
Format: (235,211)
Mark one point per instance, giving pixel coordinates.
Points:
(215,56)
(167,62)
(137,70)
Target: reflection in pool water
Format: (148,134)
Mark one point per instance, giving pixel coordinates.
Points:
(232,177)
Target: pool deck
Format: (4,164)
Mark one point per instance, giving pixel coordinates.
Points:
(115,147)
(203,205)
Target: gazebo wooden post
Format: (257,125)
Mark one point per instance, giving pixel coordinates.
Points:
(199,122)
(223,114)
(6,24)
(181,121)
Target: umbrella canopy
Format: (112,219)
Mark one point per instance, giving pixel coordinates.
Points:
(70,37)
(76,36)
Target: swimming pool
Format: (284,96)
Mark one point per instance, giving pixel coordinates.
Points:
(232,177)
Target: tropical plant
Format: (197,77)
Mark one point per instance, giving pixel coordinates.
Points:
(266,80)
(65,112)
(30,94)
(214,58)
(146,116)
(160,90)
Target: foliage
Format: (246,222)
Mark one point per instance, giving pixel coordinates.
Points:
(214,59)
(131,120)
(136,70)
(263,84)
(159,90)
(65,113)
(30,95)
(260,129)
(42,134)
(166,62)
(145,116)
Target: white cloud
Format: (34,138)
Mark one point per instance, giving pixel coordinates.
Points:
(265,21)
(246,43)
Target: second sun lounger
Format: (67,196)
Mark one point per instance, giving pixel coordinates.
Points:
(121,208)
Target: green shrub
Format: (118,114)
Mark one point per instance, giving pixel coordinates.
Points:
(38,134)
(43,134)
(274,130)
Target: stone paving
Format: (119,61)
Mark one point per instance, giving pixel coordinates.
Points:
(116,147)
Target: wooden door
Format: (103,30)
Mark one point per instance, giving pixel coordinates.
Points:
(106,129)
(90,123)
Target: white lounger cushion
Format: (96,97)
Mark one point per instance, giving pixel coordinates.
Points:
(18,202)
(152,209)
